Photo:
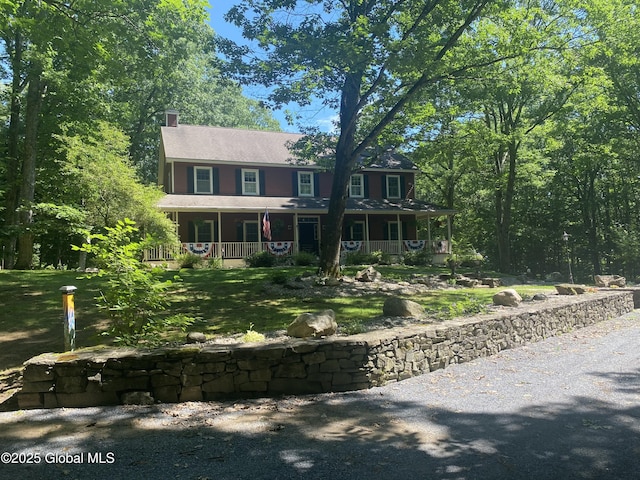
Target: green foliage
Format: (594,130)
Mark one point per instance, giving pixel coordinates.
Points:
(305,259)
(260,259)
(134,294)
(252,336)
(462,306)
(189,260)
(417,258)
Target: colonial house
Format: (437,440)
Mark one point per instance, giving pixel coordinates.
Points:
(221,183)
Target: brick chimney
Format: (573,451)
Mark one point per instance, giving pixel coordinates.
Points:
(171,118)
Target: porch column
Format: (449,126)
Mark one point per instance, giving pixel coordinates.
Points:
(367,247)
(220,253)
(259,233)
(399,234)
(295,233)
(177,225)
(449,233)
(429,243)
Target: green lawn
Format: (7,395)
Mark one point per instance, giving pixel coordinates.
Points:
(224,301)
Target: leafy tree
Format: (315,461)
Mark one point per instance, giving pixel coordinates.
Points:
(358,56)
(135,295)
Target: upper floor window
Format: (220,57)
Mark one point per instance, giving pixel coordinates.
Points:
(250,183)
(393,186)
(305,184)
(203,180)
(356,186)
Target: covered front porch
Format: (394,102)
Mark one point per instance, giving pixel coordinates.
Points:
(235,227)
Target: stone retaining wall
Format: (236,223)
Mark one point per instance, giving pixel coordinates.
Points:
(208,372)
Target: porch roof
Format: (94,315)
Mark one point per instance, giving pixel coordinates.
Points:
(227,203)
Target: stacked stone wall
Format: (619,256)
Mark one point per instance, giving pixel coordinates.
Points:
(210,372)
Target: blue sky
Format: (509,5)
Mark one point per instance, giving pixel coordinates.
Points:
(313,115)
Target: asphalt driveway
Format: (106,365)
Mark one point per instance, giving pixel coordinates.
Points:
(564,408)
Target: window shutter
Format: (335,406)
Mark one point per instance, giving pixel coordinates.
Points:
(365,180)
(190,186)
(403,189)
(216,181)
(238,181)
(386,231)
(404,230)
(384,188)
(294,183)
(239,232)
(261,182)
(316,184)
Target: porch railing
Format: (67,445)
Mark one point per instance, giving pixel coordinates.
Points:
(238,250)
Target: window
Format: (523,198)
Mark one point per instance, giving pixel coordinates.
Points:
(250,232)
(203,180)
(355,231)
(393,186)
(356,186)
(392,231)
(305,184)
(204,231)
(250,185)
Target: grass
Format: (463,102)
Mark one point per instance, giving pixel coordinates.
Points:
(223,301)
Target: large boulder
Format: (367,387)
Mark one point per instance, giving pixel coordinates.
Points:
(317,324)
(609,281)
(196,337)
(400,307)
(507,298)
(369,274)
(571,289)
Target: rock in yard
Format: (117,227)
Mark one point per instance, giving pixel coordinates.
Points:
(196,337)
(400,307)
(507,298)
(369,274)
(137,398)
(610,281)
(571,289)
(318,324)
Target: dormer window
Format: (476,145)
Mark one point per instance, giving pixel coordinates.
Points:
(305,184)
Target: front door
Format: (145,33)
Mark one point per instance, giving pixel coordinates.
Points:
(308,235)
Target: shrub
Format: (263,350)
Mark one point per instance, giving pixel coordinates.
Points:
(252,336)
(305,259)
(189,260)
(134,295)
(418,258)
(260,259)
(362,258)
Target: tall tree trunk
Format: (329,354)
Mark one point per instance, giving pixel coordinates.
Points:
(35,91)
(504,205)
(12,171)
(344,166)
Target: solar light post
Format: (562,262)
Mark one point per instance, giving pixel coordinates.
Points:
(69,317)
(565,237)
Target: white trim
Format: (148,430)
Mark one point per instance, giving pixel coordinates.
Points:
(310,184)
(245,183)
(397,177)
(209,170)
(361,185)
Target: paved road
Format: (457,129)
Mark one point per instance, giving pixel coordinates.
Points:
(565,408)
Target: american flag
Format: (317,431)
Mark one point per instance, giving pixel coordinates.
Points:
(266,225)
